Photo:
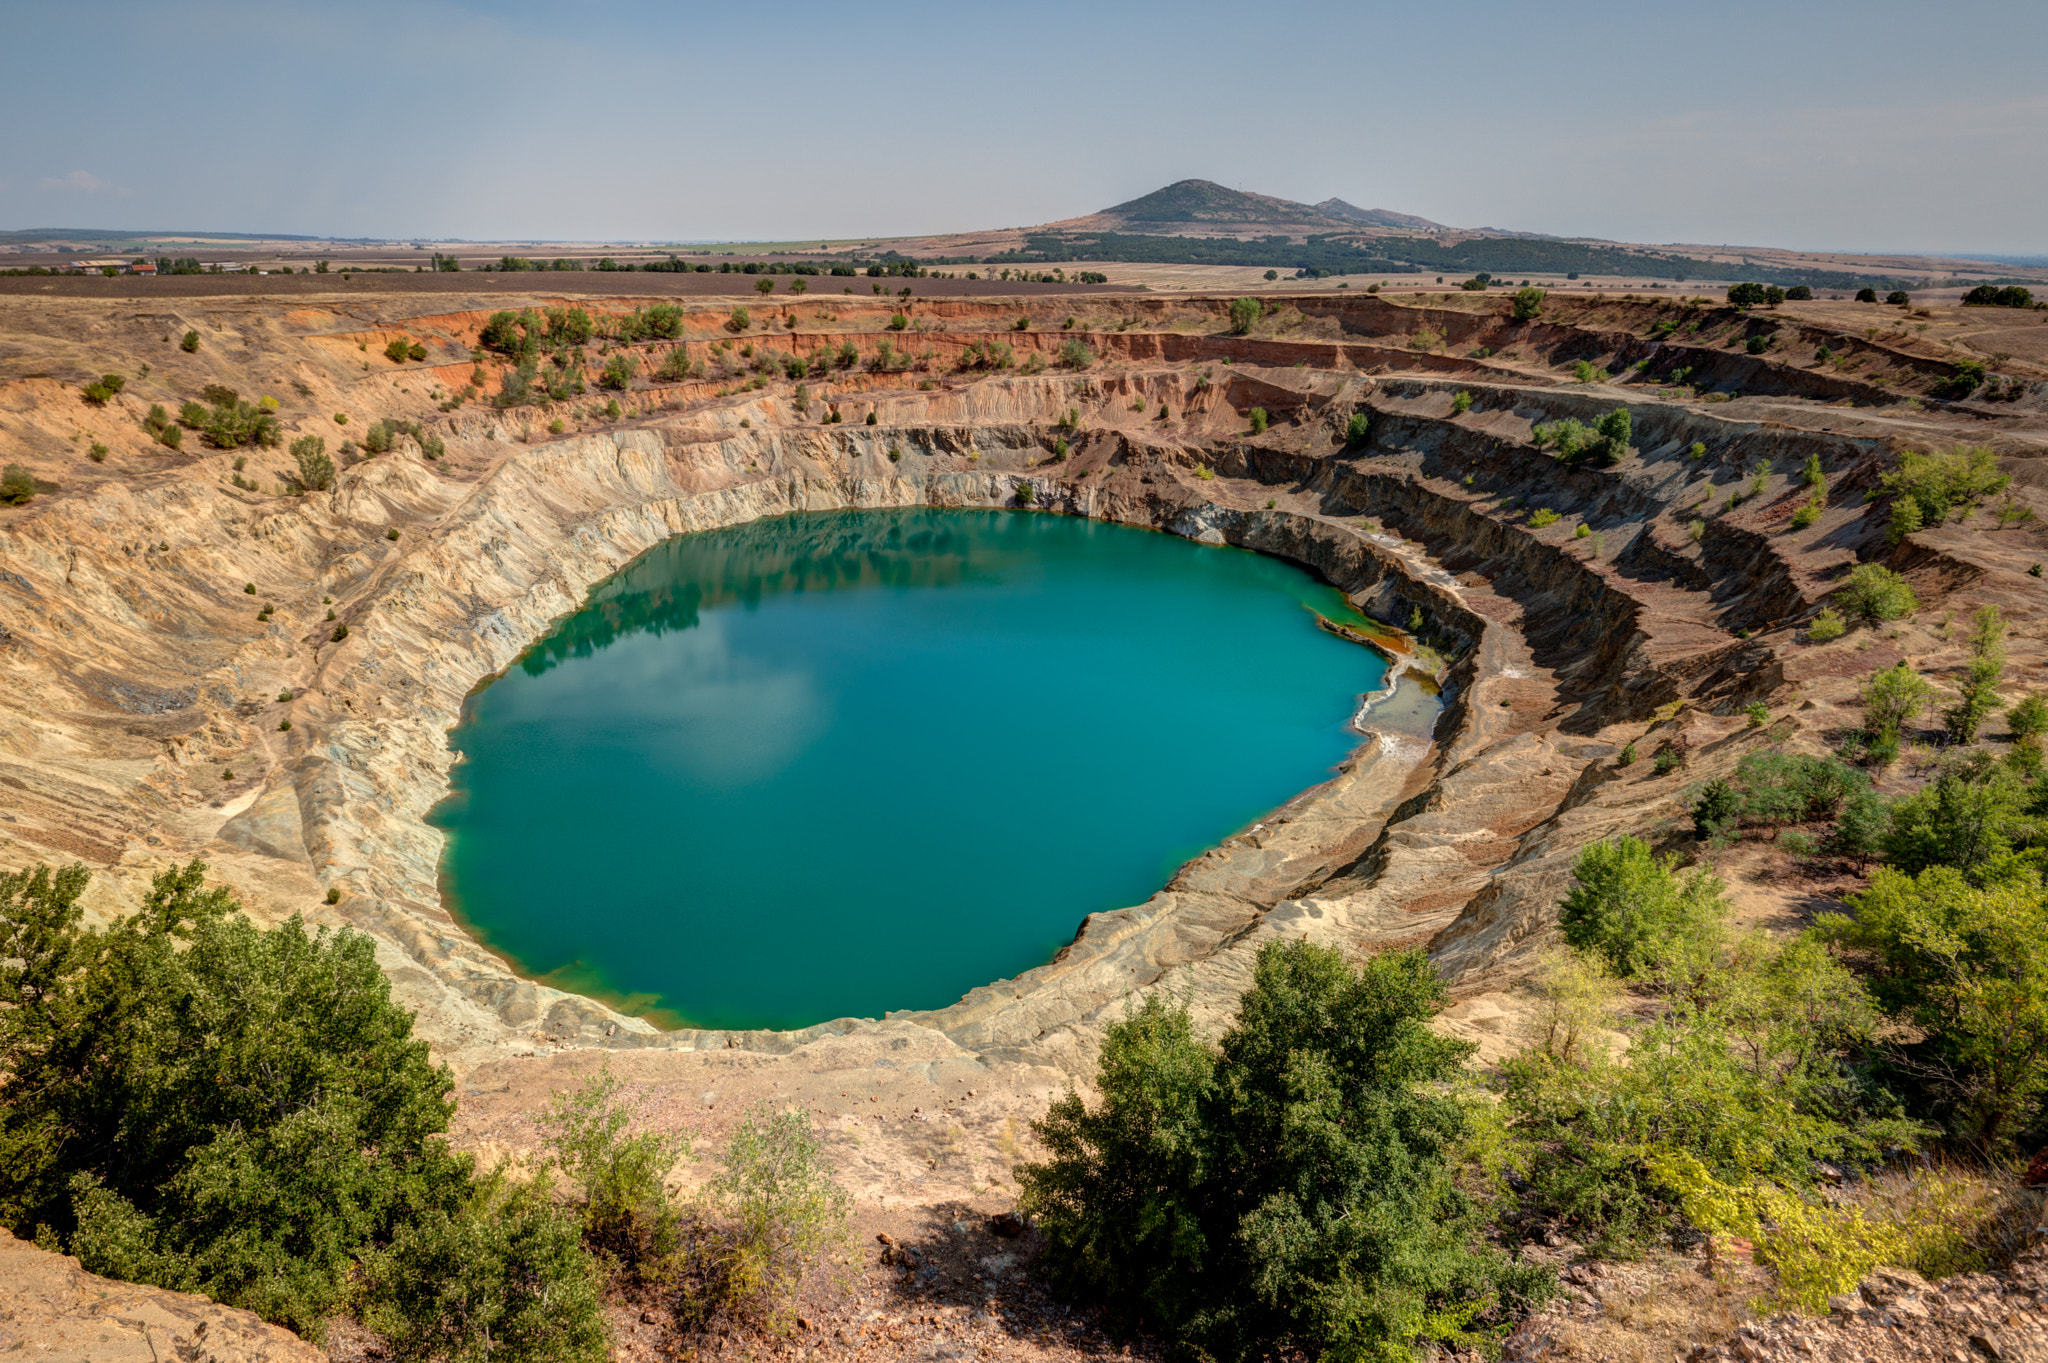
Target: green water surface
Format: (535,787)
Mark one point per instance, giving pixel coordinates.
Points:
(839,763)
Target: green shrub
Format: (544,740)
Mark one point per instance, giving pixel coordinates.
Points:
(1259,420)
(1757,345)
(1356,428)
(1637,912)
(1875,594)
(618,371)
(1748,1070)
(1747,295)
(508,333)
(1668,761)
(1971,818)
(1528,305)
(625,1203)
(1585,371)
(226,422)
(1543,516)
(1781,788)
(1627,756)
(1244,312)
(189,343)
(1964,378)
(398,350)
(898,321)
(1828,624)
(787,1215)
(1074,353)
(501,1278)
(1461,402)
(100,390)
(1759,714)
(175,1122)
(17,485)
(1569,436)
(1936,485)
(1290,1189)
(316,470)
(1806,515)
(2028,719)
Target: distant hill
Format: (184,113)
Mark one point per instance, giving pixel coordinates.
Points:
(1205,201)
(1379,217)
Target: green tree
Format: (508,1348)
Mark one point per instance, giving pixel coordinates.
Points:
(1979,697)
(189,342)
(764,286)
(1244,312)
(1971,817)
(1614,432)
(1290,1190)
(1356,428)
(1969,964)
(1892,699)
(316,469)
(1528,305)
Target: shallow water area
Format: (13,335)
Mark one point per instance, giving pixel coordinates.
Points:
(837,764)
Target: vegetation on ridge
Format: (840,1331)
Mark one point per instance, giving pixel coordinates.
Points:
(198,1103)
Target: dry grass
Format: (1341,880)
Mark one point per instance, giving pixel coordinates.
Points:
(1967,1218)
(1647,1312)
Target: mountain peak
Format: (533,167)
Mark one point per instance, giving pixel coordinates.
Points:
(1207,201)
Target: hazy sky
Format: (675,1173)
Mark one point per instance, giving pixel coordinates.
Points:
(1849,124)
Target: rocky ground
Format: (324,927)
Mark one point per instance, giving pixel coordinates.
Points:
(149,715)
(53,1311)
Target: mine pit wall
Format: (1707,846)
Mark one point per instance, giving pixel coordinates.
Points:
(526,548)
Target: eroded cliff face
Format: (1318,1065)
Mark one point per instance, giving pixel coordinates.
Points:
(152,715)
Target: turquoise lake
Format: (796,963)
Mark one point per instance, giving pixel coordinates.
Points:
(836,764)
